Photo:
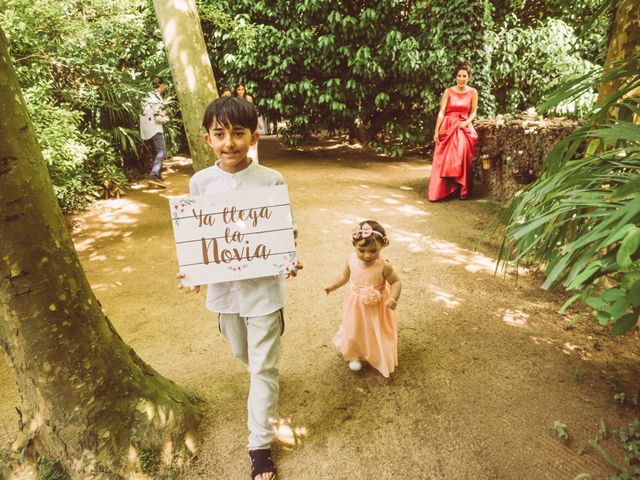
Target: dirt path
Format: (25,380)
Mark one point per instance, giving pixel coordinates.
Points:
(486,367)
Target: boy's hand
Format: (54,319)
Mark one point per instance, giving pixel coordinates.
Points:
(180,276)
(293,271)
(392,303)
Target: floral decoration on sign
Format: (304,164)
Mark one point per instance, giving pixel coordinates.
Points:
(237,268)
(288,265)
(179,208)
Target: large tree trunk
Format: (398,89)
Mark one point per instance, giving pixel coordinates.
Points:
(191,70)
(624,41)
(88,400)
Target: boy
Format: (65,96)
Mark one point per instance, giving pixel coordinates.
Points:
(250,311)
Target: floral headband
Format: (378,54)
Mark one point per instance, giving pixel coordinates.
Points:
(365,231)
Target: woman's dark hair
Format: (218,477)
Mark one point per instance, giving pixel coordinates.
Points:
(157,81)
(235,89)
(380,236)
(230,111)
(463,66)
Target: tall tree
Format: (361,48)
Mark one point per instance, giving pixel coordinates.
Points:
(87,400)
(190,69)
(623,43)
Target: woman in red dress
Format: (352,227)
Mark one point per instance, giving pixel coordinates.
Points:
(455,139)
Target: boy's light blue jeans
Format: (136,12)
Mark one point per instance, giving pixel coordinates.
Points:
(256,341)
(159,155)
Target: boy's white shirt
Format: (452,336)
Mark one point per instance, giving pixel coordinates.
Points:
(253,297)
(152,116)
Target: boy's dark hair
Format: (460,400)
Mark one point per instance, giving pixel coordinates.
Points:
(157,81)
(379,235)
(230,111)
(464,65)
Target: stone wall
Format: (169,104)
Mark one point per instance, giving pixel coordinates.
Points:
(509,154)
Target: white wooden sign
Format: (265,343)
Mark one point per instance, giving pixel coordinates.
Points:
(234,235)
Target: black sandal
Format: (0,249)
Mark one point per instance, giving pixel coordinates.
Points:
(261,462)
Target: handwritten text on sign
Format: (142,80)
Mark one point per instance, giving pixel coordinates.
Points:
(234,235)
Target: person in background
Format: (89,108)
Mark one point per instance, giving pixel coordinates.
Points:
(455,137)
(226,92)
(240,91)
(152,119)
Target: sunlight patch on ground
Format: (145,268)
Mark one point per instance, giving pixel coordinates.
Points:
(324,147)
(177,160)
(404,187)
(516,318)
(416,242)
(112,214)
(448,299)
(451,254)
(113,209)
(87,243)
(411,211)
(569,348)
(98,287)
(288,435)
(391,201)
(351,220)
(541,340)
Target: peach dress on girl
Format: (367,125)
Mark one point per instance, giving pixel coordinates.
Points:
(369,328)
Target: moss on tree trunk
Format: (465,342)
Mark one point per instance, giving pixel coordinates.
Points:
(87,400)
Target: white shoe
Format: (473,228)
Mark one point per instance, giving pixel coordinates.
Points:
(355,365)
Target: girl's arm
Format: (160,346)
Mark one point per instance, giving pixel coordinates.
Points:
(340,281)
(391,276)
(443,108)
(474,109)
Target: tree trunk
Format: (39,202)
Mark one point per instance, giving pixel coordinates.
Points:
(190,69)
(624,41)
(87,400)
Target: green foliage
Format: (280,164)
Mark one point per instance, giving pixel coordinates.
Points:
(149,461)
(83,67)
(50,470)
(582,217)
(560,429)
(371,68)
(378,69)
(535,59)
(630,438)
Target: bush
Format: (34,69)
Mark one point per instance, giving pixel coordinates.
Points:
(83,85)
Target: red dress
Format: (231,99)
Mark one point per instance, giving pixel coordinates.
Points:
(454,151)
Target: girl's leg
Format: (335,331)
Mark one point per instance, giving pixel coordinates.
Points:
(263,341)
(234,328)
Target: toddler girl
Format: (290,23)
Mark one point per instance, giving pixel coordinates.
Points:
(368,331)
